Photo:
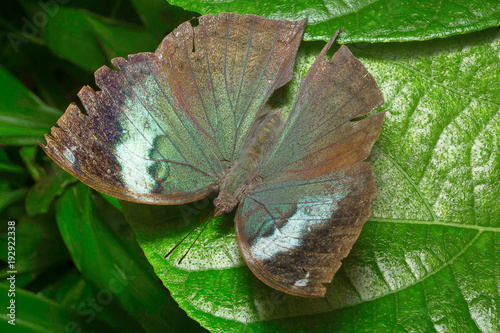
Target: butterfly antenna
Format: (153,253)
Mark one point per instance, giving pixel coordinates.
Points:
(189,233)
(204,227)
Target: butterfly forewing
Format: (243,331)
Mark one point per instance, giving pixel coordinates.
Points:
(126,137)
(238,61)
(165,125)
(319,135)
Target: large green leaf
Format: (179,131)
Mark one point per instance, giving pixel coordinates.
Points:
(114,264)
(51,185)
(34,313)
(24,118)
(6,165)
(427,260)
(91,41)
(7,195)
(367,20)
(161,17)
(38,245)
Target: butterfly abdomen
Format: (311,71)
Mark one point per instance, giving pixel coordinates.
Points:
(262,138)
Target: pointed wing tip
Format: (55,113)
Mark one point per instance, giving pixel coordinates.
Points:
(379,117)
(119,61)
(328,45)
(344,48)
(48,138)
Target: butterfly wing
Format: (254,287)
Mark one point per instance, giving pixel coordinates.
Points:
(163,127)
(237,63)
(294,234)
(295,227)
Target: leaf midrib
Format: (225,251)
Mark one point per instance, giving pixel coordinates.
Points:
(332,309)
(431,222)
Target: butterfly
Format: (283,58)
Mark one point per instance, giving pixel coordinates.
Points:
(190,121)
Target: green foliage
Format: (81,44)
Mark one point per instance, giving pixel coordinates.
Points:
(365,20)
(41,314)
(90,41)
(427,259)
(38,245)
(108,256)
(24,118)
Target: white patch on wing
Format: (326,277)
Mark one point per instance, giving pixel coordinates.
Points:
(134,149)
(69,155)
(273,245)
(309,215)
(303,282)
(134,172)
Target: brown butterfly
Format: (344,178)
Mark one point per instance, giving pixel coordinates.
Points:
(190,120)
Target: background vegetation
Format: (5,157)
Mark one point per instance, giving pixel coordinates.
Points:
(427,259)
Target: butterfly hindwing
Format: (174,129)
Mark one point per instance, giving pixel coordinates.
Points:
(293,234)
(164,126)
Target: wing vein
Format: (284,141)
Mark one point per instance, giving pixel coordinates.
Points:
(294,185)
(241,83)
(190,117)
(225,66)
(157,123)
(333,143)
(137,129)
(202,101)
(264,70)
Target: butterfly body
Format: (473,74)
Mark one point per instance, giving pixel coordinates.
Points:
(243,174)
(191,120)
